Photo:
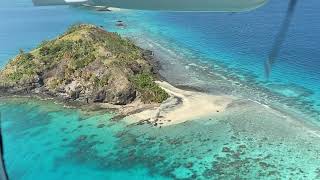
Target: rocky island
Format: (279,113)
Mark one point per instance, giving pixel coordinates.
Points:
(90,67)
(85,64)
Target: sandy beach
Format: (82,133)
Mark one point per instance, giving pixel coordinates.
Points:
(183,105)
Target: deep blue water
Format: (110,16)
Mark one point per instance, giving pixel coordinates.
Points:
(229,43)
(243,42)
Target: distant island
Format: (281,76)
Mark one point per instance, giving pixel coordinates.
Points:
(88,66)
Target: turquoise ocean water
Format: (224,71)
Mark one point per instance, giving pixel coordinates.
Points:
(221,53)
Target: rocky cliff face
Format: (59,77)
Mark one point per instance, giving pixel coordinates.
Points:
(86,64)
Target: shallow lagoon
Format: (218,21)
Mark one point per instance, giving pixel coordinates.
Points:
(45,141)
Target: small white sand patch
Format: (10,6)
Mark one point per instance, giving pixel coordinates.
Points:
(183,106)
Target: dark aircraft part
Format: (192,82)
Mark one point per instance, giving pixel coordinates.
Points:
(280,38)
(57,2)
(3,174)
(165,5)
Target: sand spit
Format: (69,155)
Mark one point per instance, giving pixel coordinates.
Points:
(182,106)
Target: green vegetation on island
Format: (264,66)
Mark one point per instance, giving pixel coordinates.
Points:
(86,63)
